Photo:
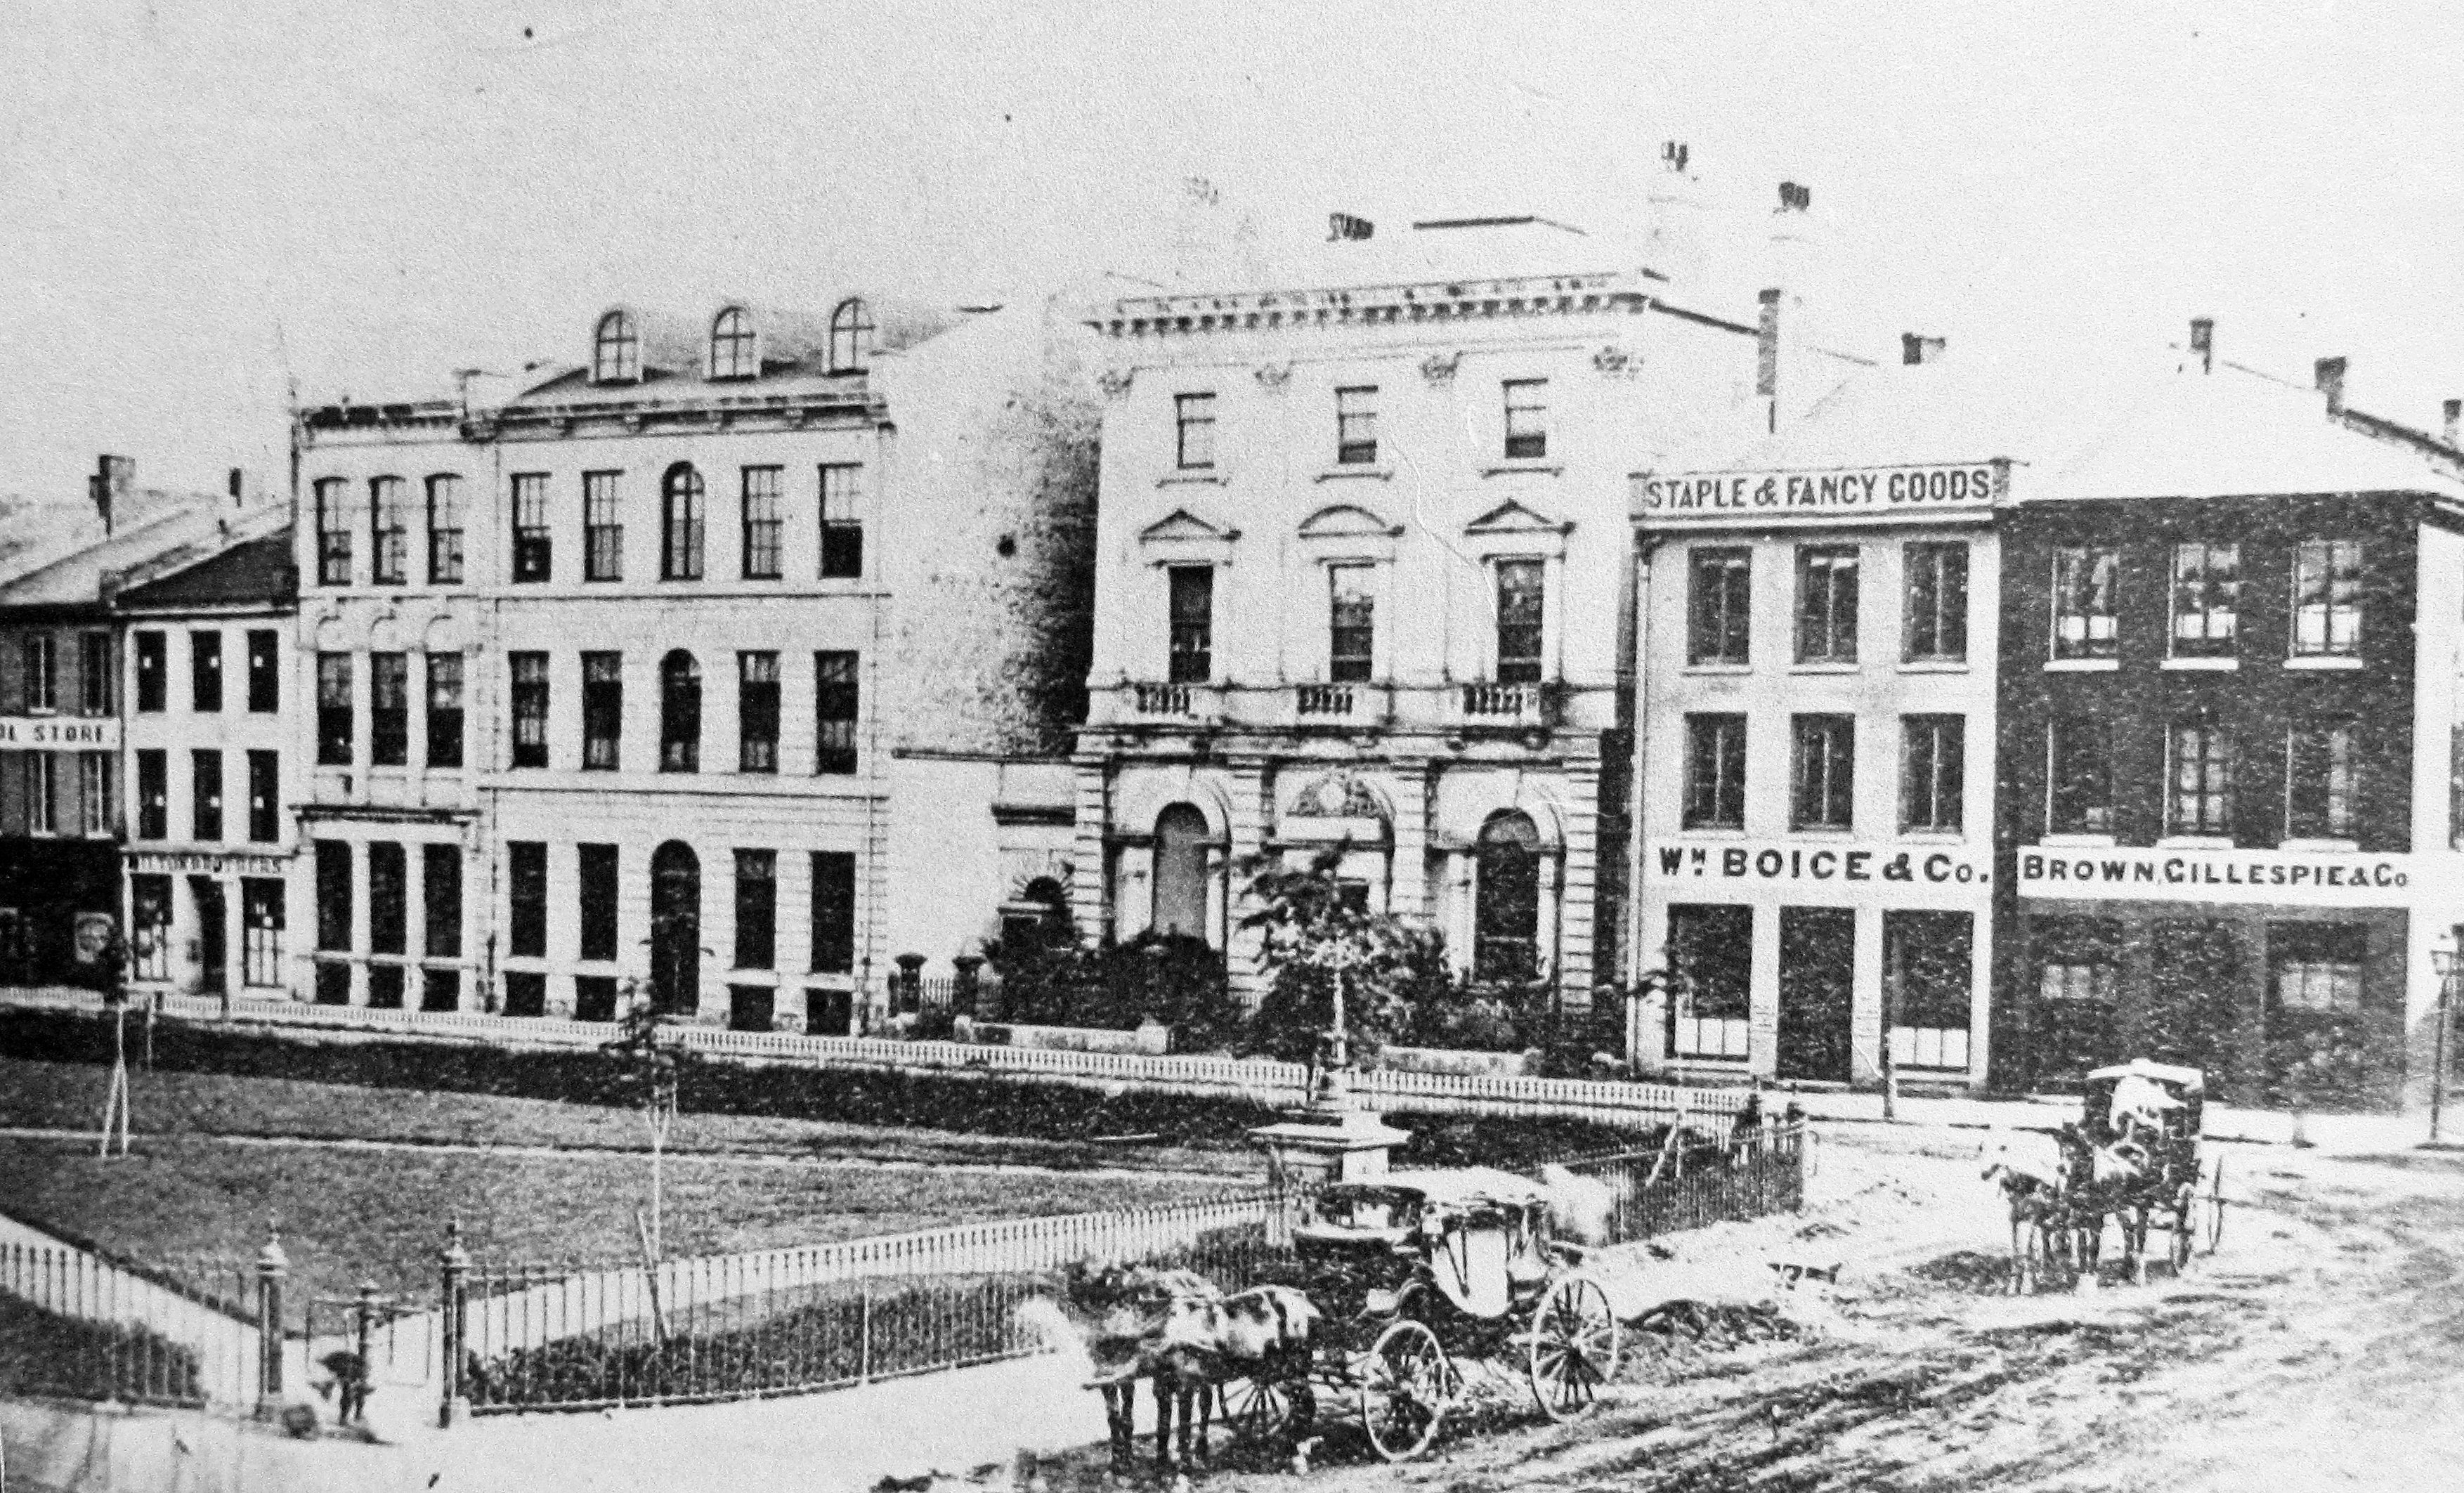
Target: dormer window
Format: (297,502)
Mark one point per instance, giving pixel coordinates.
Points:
(850,337)
(616,351)
(731,345)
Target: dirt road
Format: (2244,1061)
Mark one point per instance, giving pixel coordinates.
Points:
(2324,1347)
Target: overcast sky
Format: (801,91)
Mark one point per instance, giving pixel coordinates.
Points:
(206,205)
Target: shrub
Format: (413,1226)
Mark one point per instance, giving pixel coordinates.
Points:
(1172,979)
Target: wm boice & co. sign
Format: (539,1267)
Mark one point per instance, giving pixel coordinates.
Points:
(1822,493)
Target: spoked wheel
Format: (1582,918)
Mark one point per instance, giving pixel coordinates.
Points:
(2186,1209)
(1268,1410)
(2215,1200)
(1405,1386)
(1574,1347)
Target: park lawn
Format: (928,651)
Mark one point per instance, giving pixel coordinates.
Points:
(351,1213)
(69,1096)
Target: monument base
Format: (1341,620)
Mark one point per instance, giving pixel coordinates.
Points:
(1318,1146)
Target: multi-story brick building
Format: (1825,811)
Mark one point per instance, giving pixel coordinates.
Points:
(690,615)
(207,725)
(1361,552)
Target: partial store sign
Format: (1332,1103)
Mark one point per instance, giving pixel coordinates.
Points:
(1816,494)
(2289,878)
(59,732)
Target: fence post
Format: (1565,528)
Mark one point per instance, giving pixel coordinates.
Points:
(908,985)
(864,1338)
(364,1339)
(963,990)
(453,1327)
(272,1264)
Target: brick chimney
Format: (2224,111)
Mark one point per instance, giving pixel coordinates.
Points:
(108,487)
(1783,332)
(2203,342)
(2330,376)
(239,486)
(1915,348)
(2449,412)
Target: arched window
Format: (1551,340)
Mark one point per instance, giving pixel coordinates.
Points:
(680,524)
(1505,905)
(675,929)
(1181,871)
(679,713)
(731,345)
(850,337)
(615,350)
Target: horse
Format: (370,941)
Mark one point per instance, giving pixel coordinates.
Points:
(2032,1186)
(1120,1312)
(2107,1180)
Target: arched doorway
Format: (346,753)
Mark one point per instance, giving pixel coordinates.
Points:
(1180,839)
(675,929)
(1506,900)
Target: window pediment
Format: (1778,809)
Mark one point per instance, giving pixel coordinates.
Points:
(1348,521)
(1513,517)
(1183,531)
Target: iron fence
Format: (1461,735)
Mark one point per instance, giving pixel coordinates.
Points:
(175,1331)
(1690,1181)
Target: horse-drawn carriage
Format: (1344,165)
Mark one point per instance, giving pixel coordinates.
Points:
(1412,1272)
(2153,1114)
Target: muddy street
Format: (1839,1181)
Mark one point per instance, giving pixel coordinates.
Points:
(2321,1347)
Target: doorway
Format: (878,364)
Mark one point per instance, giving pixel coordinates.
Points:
(213,938)
(1817,981)
(675,929)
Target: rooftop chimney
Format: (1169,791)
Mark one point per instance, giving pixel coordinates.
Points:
(1787,330)
(239,486)
(2330,373)
(1672,156)
(1915,348)
(2203,342)
(2448,413)
(1343,225)
(109,486)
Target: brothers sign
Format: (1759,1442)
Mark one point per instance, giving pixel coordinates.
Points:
(1824,493)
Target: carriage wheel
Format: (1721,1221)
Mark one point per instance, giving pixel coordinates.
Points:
(2185,1207)
(1405,1386)
(1266,1410)
(1574,1347)
(2215,1200)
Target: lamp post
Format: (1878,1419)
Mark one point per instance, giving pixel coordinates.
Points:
(2447,957)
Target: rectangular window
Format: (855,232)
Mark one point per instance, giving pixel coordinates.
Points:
(1527,419)
(1522,604)
(2322,779)
(525,992)
(1826,605)
(443,710)
(842,525)
(389,532)
(440,990)
(602,528)
(1715,772)
(1933,769)
(833,913)
(526,891)
(40,793)
(598,889)
(1937,603)
(389,709)
(264,672)
(835,703)
(1192,659)
(2317,969)
(93,791)
(1351,627)
(206,795)
(205,672)
(1356,425)
(1711,957)
(530,709)
(264,797)
(149,912)
(1718,612)
(42,672)
(2082,964)
(603,710)
(152,672)
(532,550)
(2078,774)
(679,713)
(762,523)
(681,521)
(260,918)
(2087,613)
(153,794)
(334,896)
(333,532)
(1929,968)
(2328,599)
(1193,429)
(440,875)
(2207,600)
(594,996)
(94,672)
(445,529)
(384,987)
(2201,801)
(334,709)
(757,909)
(756,712)
(388,894)
(1823,785)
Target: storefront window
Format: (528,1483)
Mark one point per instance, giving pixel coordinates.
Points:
(149,899)
(261,919)
(1710,956)
(2086,617)
(1928,959)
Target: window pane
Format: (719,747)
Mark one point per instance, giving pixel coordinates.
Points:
(679,713)
(833,913)
(2086,619)
(1719,615)
(1352,624)
(602,528)
(388,921)
(1520,605)
(1715,772)
(761,523)
(1192,625)
(756,712)
(842,525)
(1195,417)
(1527,418)
(389,709)
(602,710)
(2207,600)
(443,710)
(205,672)
(526,885)
(444,529)
(1937,602)
(2202,778)
(2321,778)
(1933,771)
(2079,777)
(389,532)
(1826,771)
(835,704)
(1826,605)
(682,519)
(532,551)
(530,708)
(757,909)
(334,709)
(2327,597)
(597,893)
(1355,422)
(440,867)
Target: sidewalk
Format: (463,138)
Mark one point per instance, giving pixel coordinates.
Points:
(2332,1134)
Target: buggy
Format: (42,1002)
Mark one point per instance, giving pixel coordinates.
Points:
(2163,1107)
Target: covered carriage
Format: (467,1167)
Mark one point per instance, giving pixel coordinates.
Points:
(2162,1107)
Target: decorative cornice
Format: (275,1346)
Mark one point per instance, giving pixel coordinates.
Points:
(1480,298)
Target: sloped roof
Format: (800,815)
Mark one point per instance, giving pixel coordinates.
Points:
(76,579)
(675,351)
(257,569)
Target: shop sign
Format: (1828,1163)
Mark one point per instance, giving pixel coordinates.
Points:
(59,732)
(1824,493)
(2158,876)
(205,863)
(1750,861)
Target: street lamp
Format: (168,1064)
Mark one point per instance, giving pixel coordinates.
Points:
(2449,958)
